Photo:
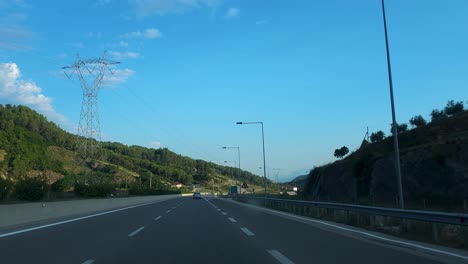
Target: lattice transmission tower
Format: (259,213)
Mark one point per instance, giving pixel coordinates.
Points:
(90,73)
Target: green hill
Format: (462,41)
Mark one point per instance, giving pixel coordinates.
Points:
(31,146)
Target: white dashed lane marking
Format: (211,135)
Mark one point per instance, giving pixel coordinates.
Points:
(247,231)
(280,257)
(136,231)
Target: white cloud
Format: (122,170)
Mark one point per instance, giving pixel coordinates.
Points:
(123,43)
(145,8)
(149,33)
(94,34)
(232,12)
(119,77)
(16,90)
(152,33)
(260,22)
(13,35)
(77,45)
(103,2)
(123,55)
(155,144)
(14,38)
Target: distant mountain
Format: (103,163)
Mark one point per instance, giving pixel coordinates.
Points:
(31,146)
(299,181)
(294,174)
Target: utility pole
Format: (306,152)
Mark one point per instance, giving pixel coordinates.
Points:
(151,180)
(263,143)
(394,123)
(90,73)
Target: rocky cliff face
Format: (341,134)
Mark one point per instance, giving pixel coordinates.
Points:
(434,166)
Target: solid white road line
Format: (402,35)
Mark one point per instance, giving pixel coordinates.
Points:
(157,218)
(89,261)
(232,219)
(247,231)
(358,232)
(280,257)
(224,213)
(136,231)
(73,220)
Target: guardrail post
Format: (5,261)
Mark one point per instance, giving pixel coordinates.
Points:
(465,236)
(435,232)
(372,221)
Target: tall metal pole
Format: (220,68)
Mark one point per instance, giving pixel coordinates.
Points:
(263,141)
(264,163)
(394,123)
(240,172)
(238,183)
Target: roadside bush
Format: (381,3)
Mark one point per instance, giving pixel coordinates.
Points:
(5,188)
(94,190)
(64,184)
(140,190)
(30,189)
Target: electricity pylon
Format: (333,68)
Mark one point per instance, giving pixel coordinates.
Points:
(90,73)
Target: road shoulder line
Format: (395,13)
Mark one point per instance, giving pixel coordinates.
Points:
(431,251)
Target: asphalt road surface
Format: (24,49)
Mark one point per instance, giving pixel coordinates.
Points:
(209,230)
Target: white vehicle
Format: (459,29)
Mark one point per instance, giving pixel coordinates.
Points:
(196,195)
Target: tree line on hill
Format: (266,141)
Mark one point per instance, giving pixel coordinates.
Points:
(27,140)
(451,109)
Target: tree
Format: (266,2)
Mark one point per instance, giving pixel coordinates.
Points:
(437,115)
(453,108)
(341,152)
(418,121)
(377,136)
(400,128)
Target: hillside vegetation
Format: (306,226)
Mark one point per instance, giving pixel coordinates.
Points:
(31,147)
(434,166)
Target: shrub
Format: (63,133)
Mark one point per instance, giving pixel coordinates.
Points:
(137,189)
(377,136)
(341,152)
(400,128)
(30,189)
(453,108)
(437,115)
(94,190)
(418,121)
(5,188)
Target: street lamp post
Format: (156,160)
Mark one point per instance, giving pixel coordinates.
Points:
(394,123)
(263,141)
(239,163)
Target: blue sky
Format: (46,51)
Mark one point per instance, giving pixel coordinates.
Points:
(313,71)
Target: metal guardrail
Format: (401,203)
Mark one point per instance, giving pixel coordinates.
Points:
(426,216)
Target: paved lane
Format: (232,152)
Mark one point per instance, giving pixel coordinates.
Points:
(183,230)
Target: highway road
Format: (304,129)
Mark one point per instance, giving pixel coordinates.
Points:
(210,230)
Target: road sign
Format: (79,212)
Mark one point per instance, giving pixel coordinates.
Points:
(234,189)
